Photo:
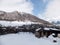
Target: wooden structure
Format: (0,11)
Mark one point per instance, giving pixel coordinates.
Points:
(47,32)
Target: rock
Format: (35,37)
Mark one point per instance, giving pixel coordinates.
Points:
(54,41)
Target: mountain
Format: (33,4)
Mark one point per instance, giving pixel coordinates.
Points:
(57,23)
(21,16)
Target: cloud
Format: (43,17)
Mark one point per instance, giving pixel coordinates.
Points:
(42,14)
(53,10)
(19,5)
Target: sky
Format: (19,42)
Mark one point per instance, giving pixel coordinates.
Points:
(45,9)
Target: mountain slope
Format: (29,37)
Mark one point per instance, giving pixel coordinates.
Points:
(21,16)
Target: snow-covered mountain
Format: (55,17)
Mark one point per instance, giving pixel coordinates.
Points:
(57,23)
(21,17)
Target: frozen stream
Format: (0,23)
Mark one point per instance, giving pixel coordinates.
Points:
(26,39)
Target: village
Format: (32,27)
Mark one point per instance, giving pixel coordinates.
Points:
(36,29)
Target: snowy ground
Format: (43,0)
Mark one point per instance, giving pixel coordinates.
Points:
(26,39)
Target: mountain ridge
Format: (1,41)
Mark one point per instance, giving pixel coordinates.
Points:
(21,16)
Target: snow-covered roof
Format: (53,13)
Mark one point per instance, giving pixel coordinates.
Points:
(46,28)
(53,28)
(50,29)
(38,29)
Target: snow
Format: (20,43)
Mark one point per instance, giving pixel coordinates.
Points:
(51,29)
(46,28)
(26,39)
(38,29)
(15,23)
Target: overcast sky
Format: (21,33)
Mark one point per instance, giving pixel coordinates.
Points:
(45,9)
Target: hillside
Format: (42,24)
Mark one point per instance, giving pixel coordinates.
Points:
(21,16)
